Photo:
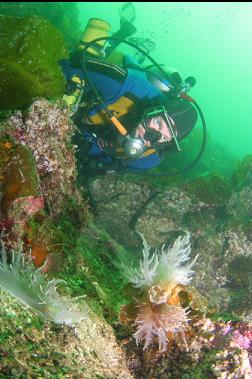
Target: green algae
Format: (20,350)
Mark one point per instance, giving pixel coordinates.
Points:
(29,61)
(92,269)
(63,15)
(213,190)
(243,173)
(240,290)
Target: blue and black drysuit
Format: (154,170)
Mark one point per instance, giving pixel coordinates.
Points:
(128,93)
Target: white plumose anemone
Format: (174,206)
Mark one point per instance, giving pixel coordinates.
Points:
(28,284)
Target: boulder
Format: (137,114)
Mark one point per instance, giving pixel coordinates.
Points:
(29,61)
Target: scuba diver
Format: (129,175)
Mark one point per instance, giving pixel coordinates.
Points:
(129,116)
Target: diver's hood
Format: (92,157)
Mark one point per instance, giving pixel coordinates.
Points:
(184,117)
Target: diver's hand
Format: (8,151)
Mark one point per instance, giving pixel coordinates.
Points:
(126,30)
(105,146)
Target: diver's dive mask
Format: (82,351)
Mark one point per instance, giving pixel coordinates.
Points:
(154,133)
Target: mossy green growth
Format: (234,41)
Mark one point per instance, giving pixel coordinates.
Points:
(96,274)
(247,229)
(240,283)
(30,50)
(243,174)
(93,267)
(63,15)
(213,190)
(7,147)
(205,366)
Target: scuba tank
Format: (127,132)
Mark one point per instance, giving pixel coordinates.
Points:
(95,28)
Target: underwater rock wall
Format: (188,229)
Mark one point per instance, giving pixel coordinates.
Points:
(46,131)
(208,207)
(33,347)
(37,180)
(64,16)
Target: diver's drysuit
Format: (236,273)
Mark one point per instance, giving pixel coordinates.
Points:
(127,90)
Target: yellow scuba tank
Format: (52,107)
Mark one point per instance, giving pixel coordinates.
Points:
(96,28)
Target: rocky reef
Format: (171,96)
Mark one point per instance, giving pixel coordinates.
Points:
(64,16)
(156,271)
(44,214)
(208,318)
(37,177)
(212,209)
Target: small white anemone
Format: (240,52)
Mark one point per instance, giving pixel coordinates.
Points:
(23,281)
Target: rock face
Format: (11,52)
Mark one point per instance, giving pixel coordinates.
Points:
(116,204)
(21,178)
(29,61)
(37,172)
(46,132)
(64,16)
(217,215)
(88,351)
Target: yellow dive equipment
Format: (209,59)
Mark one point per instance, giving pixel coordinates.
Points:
(73,98)
(95,28)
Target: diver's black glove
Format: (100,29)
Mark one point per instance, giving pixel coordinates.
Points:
(126,30)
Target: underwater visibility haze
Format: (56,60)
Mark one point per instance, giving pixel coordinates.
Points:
(208,40)
(109,269)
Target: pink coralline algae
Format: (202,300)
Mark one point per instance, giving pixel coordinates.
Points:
(6,224)
(23,208)
(30,204)
(47,131)
(240,335)
(242,338)
(244,341)
(19,134)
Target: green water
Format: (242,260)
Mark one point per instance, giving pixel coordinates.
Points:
(211,41)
